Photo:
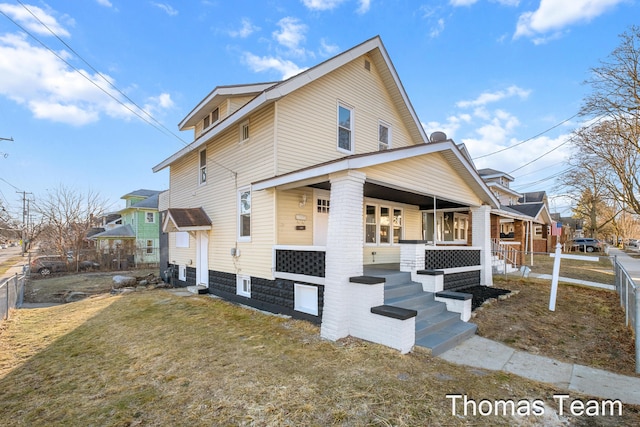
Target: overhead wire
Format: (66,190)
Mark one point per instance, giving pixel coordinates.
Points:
(157,125)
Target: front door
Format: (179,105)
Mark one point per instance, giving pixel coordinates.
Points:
(320,217)
(202,258)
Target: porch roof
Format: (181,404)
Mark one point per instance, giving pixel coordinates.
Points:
(318,175)
(186,219)
(121,232)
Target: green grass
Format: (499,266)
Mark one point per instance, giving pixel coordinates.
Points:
(154,358)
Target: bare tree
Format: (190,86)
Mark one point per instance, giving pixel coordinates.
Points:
(67,217)
(613,139)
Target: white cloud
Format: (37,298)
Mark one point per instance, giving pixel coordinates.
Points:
(456,3)
(291,33)
(106,3)
(437,28)
(42,82)
(322,4)
(286,68)
(245,30)
(167,8)
(26,18)
(553,16)
(490,97)
(364,7)
(327,49)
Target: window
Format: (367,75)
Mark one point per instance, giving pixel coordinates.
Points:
(206,122)
(244,218)
(244,131)
(450,227)
(243,286)
(203,167)
(149,246)
(345,129)
(322,205)
(150,218)
(215,115)
(383,225)
(384,136)
(182,239)
(305,299)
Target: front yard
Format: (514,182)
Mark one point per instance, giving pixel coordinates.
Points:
(155,358)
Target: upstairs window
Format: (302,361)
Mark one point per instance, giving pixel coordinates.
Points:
(202,176)
(345,129)
(384,136)
(215,115)
(244,217)
(244,132)
(150,218)
(206,122)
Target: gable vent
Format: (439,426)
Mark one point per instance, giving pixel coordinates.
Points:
(367,65)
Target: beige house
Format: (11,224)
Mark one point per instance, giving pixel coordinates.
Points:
(321,197)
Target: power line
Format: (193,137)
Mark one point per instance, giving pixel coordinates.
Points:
(160,127)
(528,139)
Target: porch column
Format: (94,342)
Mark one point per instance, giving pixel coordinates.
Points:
(345,239)
(481,237)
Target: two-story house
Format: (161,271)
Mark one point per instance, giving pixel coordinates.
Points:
(522,224)
(133,238)
(294,193)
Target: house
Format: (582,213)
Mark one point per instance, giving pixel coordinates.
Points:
(322,197)
(132,236)
(522,224)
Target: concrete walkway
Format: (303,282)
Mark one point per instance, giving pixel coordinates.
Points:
(483,353)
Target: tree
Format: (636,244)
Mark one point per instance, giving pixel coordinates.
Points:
(613,138)
(67,218)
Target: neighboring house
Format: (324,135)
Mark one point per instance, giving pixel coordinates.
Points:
(297,196)
(134,236)
(522,223)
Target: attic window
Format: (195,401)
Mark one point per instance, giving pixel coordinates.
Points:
(206,122)
(215,115)
(367,65)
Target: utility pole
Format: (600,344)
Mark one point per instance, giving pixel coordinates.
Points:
(5,155)
(25,215)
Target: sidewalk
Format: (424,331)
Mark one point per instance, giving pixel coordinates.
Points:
(483,353)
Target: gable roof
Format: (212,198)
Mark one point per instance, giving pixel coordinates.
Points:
(533,197)
(487,173)
(122,232)
(141,193)
(186,219)
(150,202)
(447,148)
(271,93)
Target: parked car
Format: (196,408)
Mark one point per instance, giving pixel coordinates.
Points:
(587,244)
(48,264)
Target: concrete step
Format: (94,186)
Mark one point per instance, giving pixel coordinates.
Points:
(447,337)
(432,323)
(401,290)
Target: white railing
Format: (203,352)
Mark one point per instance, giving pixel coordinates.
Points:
(630,300)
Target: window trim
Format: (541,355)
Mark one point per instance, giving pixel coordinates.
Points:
(352,144)
(245,126)
(153,217)
(241,279)
(382,123)
(392,209)
(241,191)
(202,178)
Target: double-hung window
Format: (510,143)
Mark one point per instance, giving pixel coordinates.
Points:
(384,136)
(244,214)
(202,173)
(383,225)
(345,129)
(243,286)
(150,217)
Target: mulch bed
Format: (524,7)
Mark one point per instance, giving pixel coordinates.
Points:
(482,294)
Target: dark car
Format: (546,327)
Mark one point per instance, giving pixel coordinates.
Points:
(587,244)
(48,264)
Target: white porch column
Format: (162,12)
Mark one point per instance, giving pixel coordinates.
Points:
(345,239)
(481,237)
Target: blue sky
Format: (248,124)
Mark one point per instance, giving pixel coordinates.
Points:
(489,73)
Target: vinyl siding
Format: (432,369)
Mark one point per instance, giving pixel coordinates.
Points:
(288,206)
(251,161)
(307,118)
(430,174)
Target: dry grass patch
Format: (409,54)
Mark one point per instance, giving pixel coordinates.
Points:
(153,358)
(587,327)
(599,272)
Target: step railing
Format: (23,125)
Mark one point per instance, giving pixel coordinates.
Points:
(505,253)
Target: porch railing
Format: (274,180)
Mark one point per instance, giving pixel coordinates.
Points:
(302,263)
(505,252)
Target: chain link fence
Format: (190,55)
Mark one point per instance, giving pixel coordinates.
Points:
(11,294)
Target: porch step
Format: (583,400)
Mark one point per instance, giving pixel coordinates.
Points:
(198,289)
(436,328)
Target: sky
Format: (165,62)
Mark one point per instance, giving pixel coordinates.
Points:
(92,91)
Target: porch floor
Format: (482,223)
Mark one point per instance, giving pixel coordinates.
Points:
(380,269)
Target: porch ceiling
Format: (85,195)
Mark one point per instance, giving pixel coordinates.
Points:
(377,191)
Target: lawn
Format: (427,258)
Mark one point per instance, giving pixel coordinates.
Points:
(155,358)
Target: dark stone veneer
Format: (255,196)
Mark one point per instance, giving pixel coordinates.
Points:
(276,296)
